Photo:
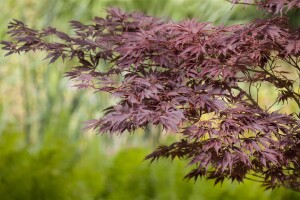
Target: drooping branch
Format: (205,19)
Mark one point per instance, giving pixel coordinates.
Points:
(273,6)
(189,78)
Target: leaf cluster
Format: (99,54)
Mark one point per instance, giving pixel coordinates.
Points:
(195,79)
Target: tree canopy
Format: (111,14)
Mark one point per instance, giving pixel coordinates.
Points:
(195,79)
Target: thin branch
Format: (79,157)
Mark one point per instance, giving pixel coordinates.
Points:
(241,3)
(248,96)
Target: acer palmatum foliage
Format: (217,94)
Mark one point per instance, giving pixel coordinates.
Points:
(274,6)
(196,80)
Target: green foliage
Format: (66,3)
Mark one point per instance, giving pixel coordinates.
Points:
(62,169)
(57,169)
(128,176)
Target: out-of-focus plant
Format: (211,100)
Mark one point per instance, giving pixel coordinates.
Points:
(193,78)
(66,169)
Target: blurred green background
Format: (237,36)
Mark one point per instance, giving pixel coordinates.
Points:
(44,153)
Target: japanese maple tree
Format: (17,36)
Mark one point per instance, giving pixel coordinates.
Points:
(197,80)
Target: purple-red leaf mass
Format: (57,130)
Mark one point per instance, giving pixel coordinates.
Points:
(196,80)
